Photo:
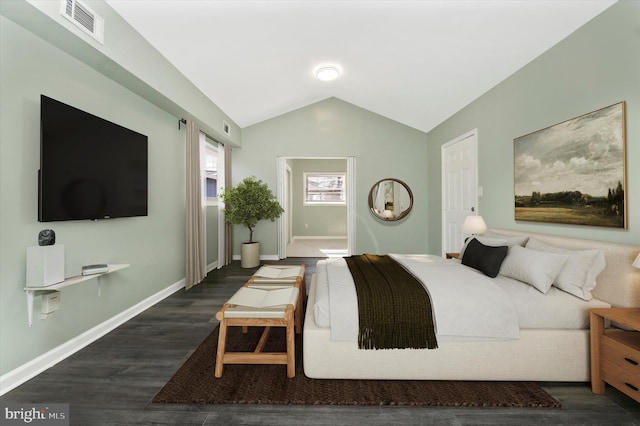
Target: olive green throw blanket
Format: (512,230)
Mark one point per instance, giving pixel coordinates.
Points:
(393,306)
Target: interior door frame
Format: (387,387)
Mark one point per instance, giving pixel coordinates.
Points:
(222,225)
(282,195)
(213,202)
(444,190)
(287,194)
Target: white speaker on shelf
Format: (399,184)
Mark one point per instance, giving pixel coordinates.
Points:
(45,265)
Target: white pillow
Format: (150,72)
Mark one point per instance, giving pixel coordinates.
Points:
(536,268)
(493,242)
(579,273)
(520,240)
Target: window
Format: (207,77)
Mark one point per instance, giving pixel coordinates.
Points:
(211,170)
(324,189)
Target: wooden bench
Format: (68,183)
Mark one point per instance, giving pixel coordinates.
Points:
(237,312)
(293,275)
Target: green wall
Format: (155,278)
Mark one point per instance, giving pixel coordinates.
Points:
(314,221)
(124,80)
(334,128)
(152,245)
(598,65)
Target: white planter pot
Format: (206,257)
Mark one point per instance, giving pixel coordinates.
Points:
(250,256)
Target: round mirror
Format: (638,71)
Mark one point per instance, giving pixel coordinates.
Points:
(390,199)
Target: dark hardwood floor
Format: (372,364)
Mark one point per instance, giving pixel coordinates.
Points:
(113,380)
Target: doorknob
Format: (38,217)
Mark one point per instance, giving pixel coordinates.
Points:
(473,209)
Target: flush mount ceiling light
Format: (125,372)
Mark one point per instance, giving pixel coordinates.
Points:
(327,72)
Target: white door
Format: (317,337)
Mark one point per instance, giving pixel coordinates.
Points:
(459,187)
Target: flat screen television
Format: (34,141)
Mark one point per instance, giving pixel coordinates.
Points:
(90,168)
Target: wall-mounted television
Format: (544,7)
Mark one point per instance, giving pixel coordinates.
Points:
(90,168)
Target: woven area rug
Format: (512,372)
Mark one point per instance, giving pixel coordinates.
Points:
(268,384)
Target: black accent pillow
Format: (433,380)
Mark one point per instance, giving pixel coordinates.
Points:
(486,259)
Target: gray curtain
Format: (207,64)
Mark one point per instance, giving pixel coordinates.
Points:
(195,242)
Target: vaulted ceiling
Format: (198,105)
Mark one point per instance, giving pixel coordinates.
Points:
(416,62)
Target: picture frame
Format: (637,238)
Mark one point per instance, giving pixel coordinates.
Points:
(574,172)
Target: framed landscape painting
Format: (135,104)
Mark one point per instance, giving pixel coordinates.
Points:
(574,172)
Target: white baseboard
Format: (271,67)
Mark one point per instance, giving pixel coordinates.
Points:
(27,371)
(318,237)
(262,257)
(270,257)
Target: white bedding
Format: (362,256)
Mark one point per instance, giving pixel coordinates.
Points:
(493,308)
(485,312)
(554,310)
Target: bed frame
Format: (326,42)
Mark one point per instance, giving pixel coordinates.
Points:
(539,355)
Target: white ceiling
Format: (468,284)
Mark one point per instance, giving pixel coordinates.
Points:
(416,62)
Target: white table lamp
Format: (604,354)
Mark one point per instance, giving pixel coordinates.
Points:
(636,263)
(474,225)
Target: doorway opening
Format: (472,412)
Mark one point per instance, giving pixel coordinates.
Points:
(317,194)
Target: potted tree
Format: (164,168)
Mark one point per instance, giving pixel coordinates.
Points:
(246,204)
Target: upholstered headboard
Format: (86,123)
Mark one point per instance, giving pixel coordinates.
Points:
(619,282)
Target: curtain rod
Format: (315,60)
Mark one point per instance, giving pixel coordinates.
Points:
(183,121)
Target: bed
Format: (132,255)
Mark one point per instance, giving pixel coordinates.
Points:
(551,342)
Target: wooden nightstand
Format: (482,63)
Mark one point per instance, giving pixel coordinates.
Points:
(615,353)
(452,255)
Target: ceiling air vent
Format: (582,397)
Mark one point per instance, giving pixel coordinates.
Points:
(84,18)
